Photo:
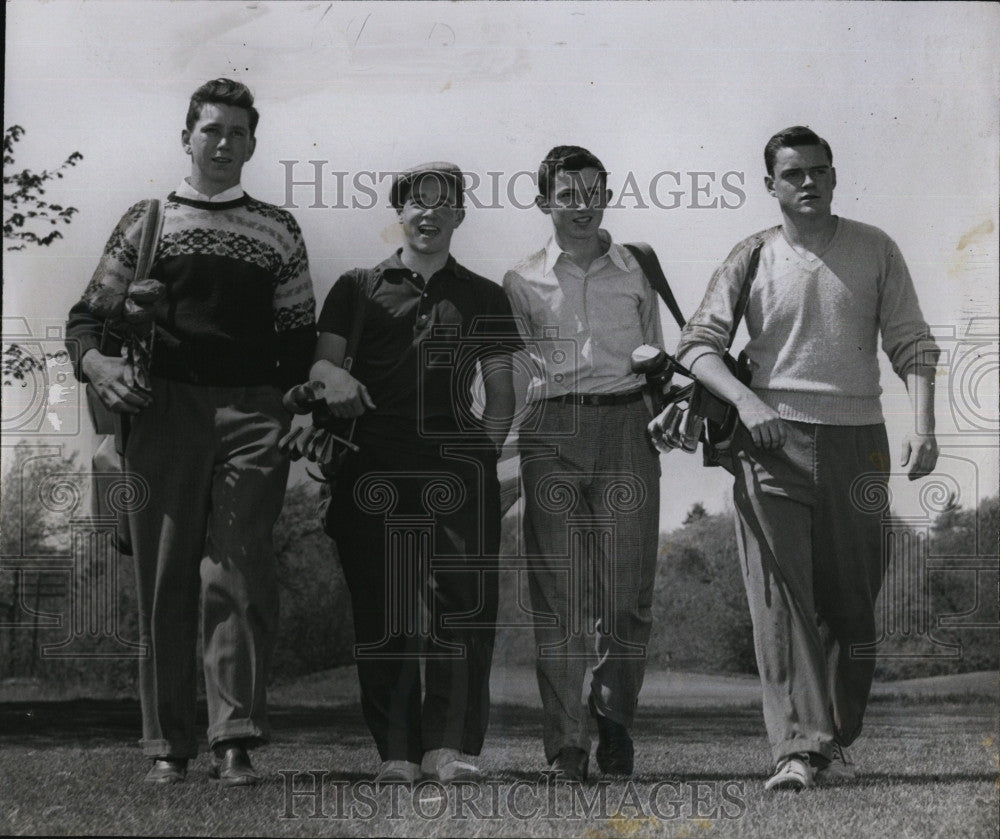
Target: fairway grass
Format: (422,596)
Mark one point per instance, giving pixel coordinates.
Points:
(926,770)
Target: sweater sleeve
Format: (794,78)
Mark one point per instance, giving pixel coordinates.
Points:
(906,337)
(294,312)
(104,295)
(707,331)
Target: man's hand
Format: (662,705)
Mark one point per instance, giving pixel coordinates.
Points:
(114,381)
(346,396)
(762,421)
(920,453)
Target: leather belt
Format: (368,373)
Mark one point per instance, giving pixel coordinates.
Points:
(595,399)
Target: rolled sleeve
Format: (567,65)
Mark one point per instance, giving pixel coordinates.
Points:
(708,329)
(906,337)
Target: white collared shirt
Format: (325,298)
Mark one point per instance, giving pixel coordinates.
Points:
(185,190)
(583,325)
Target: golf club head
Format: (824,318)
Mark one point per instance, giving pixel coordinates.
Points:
(647,360)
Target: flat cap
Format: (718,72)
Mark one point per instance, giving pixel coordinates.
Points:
(402,182)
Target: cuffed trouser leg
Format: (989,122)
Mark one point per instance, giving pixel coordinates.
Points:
(808,553)
(435,539)
(238,574)
(853,464)
(174,448)
(463,608)
(590,528)
(626,489)
(170,449)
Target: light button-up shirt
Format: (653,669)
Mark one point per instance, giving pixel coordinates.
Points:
(581,326)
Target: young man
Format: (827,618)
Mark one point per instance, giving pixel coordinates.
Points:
(585,303)
(417,516)
(812,430)
(236,326)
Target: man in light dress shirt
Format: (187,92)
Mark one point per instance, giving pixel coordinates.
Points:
(590,475)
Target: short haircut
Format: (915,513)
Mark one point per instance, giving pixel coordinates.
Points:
(797,135)
(445,175)
(222,92)
(567,159)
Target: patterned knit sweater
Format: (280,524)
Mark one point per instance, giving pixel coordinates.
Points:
(239,307)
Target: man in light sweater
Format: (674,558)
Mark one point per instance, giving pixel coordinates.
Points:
(812,430)
(235,327)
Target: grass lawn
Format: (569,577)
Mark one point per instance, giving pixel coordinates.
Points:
(928,768)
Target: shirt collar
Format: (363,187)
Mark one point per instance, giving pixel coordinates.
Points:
(185,190)
(613,252)
(395,263)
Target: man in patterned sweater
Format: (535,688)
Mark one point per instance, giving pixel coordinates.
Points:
(237,324)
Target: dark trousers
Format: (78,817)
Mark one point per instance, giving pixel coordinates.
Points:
(208,463)
(808,522)
(418,537)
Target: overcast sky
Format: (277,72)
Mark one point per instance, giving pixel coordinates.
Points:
(677,99)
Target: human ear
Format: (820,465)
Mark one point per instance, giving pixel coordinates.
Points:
(543,204)
(186,140)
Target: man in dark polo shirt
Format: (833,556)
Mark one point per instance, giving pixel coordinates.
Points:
(417,514)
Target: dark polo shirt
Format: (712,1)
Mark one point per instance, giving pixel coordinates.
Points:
(420,346)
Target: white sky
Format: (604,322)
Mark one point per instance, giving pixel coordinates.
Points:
(907,94)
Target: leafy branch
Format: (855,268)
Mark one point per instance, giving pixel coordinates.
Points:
(18,363)
(23,205)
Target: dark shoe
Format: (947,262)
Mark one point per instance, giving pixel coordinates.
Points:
(570,764)
(615,753)
(231,766)
(839,769)
(167,770)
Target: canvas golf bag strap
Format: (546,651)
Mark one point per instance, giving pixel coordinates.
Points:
(650,265)
(112,428)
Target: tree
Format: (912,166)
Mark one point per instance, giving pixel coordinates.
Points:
(30,527)
(696,513)
(23,205)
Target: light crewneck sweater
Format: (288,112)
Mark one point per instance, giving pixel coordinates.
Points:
(814,323)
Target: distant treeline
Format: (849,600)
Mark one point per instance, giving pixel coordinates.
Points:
(939,613)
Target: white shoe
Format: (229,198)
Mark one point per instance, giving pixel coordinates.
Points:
(449,766)
(398,772)
(841,768)
(793,773)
